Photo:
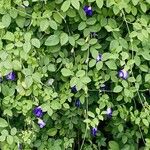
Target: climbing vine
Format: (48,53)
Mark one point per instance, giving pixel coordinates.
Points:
(74,74)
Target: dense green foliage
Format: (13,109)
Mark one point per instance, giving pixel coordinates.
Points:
(52,45)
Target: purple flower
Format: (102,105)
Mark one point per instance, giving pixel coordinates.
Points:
(41,123)
(74,89)
(94,35)
(99,58)
(94,131)
(77,103)
(123,74)
(38,112)
(88,10)
(11,76)
(109,112)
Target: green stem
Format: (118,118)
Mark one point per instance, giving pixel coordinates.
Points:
(129,32)
(87,99)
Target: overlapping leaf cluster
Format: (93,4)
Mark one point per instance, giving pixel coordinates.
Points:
(52,46)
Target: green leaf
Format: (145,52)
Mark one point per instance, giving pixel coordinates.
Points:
(20,21)
(8,112)
(66,72)
(99,3)
(13,13)
(116,10)
(148,1)
(87,121)
(135,2)
(114,45)
(6,20)
(64,38)
(55,105)
(94,53)
(98,111)
(123,43)
(1,25)
(49,111)
(51,68)
(85,80)
(9,36)
(3,123)
(99,65)
(92,41)
(146,123)
(27,47)
(10,139)
(52,132)
(127,92)
(147,78)
(72,41)
(82,26)
(120,128)
(13,131)
(91,114)
(57,18)
(91,21)
(113,145)
(124,55)
(36,42)
(53,24)
(2,138)
(143,7)
(73,81)
(36,77)
(28,81)
(145,54)
(106,56)
(75,4)
(44,24)
(100,117)
(65,6)
(65,105)
(80,73)
(27,36)
(118,89)
(17,65)
(4,132)
(111,64)
(92,63)
(85,47)
(52,40)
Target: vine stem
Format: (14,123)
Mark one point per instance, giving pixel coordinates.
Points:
(87,99)
(132,55)
(131,40)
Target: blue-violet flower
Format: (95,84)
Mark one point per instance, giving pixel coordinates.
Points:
(94,131)
(99,58)
(88,10)
(38,112)
(73,89)
(77,103)
(123,74)
(11,76)
(41,123)
(93,35)
(109,112)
